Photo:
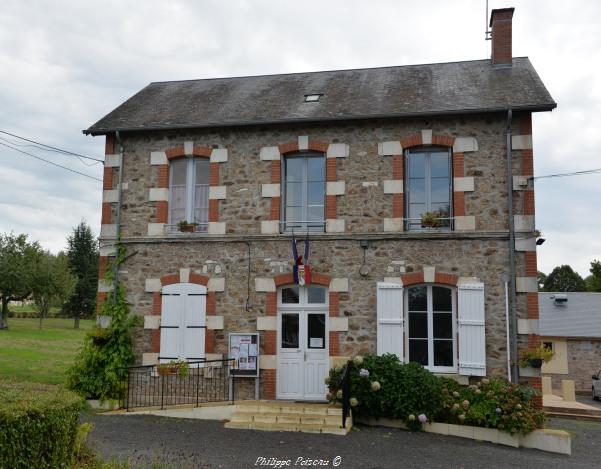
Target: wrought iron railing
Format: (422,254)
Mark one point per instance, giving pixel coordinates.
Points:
(346,392)
(155,386)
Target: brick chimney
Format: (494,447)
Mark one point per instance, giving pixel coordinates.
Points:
(500,23)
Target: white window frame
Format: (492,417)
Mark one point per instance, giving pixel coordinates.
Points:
(303,299)
(318,225)
(190,195)
(430,312)
(428,150)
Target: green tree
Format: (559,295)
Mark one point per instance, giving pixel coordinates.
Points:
(17,263)
(82,252)
(52,282)
(541,278)
(564,279)
(593,281)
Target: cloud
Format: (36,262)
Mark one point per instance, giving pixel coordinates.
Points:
(64,64)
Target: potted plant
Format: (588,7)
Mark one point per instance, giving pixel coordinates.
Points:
(174,367)
(186,227)
(100,336)
(430,220)
(536,357)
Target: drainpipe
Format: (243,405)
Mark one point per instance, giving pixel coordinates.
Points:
(512,292)
(119,197)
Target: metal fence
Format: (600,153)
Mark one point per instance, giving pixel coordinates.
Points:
(158,386)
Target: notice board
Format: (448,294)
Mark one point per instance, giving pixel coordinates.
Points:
(244,349)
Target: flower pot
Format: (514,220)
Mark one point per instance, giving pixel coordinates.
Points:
(186,228)
(535,362)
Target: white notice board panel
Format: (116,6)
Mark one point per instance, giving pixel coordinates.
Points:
(244,349)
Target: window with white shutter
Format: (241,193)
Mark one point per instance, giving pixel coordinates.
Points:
(183,316)
(390,319)
(471,325)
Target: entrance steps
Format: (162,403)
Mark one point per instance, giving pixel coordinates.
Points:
(287,416)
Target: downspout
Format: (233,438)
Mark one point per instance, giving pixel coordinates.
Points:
(118,223)
(512,292)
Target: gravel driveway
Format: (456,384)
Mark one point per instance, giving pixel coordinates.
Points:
(207,444)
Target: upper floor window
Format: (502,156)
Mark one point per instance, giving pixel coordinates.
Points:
(303,192)
(189,193)
(428,187)
(431,321)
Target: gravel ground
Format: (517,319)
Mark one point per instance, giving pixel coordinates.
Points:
(207,444)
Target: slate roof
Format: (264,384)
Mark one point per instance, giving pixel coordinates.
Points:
(413,90)
(580,316)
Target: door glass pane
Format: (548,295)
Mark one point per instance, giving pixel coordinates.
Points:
(418,351)
(439,164)
(417,190)
(290,295)
(293,216)
(417,165)
(201,202)
(316,331)
(316,168)
(202,171)
(418,325)
(418,298)
(416,211)
(443,325)
(443,353)
(442,299)
(294,169)
(315,213)
(315,193)
(290,330)
(316,295)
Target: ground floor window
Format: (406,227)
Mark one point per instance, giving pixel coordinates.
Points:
(431,327)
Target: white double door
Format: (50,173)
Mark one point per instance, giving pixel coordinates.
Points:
(183,316)
(303,354)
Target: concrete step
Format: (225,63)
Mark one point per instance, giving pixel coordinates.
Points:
(573,415)
(287,427)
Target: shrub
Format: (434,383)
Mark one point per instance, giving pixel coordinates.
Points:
(38,426)
(385,387)
(403,390)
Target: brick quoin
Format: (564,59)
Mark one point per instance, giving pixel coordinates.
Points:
(163,176)
(106,213)
(109,144)
(526,124)
(530,261)
(269,342)
(157,304)
(107,179)
(459,203)
(331,169)
(213,174)
(532,305)
(274,211)
(209,341)
(334,304)
(103,262)
(528,202)
(213,210)
(458,165)
(211,305)
(271,306)
(398,207)
(162,211)
(536,383)
(268,380)
(155,340)
(276,167)
(330,206)
(334,344)
(397,167)
(100,299)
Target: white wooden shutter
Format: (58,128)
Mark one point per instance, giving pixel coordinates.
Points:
(171,318)
(470,320)
(194,300)
(390,319)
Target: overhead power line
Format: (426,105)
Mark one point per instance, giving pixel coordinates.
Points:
(50,162)
(574,173)
(50,147)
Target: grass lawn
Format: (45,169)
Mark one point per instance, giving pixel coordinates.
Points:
(40,356)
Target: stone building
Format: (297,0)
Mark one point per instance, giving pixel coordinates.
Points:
(353,159)
(570,325)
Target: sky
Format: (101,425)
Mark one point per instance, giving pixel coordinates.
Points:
(65,64)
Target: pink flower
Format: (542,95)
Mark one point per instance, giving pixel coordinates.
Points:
(422,418)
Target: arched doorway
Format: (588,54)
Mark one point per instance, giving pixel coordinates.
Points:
(303,342)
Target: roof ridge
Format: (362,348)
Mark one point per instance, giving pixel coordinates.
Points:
(326,71)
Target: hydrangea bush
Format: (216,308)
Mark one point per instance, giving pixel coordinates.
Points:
(382,386)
